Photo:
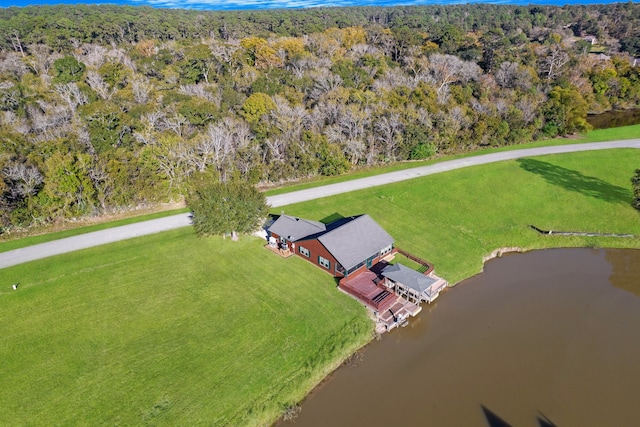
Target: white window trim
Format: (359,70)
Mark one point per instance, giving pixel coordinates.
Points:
(386,250)
(320,262)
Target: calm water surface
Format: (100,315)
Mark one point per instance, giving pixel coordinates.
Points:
(548,338)
(612,119)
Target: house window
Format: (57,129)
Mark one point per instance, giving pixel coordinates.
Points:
(283,240)
(324,262)
(304,251)
(386,250)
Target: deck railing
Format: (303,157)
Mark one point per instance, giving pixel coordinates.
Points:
(428,265)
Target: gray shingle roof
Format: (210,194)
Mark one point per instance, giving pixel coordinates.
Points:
(408,277)
(356,240)
(294,228)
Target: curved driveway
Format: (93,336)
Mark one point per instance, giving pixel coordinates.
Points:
(83,241)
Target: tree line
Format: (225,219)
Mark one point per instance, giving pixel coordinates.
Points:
(105,107)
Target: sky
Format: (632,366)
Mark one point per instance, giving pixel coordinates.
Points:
(284,4)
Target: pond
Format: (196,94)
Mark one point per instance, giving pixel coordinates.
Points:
(547,338)
(612,119)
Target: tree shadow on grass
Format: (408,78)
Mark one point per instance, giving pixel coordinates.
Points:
(576,181)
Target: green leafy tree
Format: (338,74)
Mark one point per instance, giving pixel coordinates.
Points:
(68,189)
(565,112)
(68,70)
(256,106)
(222,207)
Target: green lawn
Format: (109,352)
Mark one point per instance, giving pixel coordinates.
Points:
(169,329)
(456,218)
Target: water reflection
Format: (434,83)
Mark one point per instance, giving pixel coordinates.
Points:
(538,340)
(625,272)
(612,119)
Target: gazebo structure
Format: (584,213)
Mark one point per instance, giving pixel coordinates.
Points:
(411,285)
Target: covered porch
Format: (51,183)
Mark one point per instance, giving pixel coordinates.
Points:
(411,285)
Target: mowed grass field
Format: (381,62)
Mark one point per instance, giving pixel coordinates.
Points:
(456,218)
(169,329)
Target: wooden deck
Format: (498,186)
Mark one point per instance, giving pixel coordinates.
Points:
(283,253)
(367,288)
(398,314)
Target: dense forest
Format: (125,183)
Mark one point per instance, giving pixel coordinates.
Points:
(105,108)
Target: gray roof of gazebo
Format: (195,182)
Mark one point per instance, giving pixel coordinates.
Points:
(409,277)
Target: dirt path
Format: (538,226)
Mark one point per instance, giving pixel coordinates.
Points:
(19,256)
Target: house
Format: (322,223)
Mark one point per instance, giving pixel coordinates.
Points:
(411,285)
(356,251)
(591,39)
(346,247)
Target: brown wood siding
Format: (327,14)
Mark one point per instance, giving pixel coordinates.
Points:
(317,249)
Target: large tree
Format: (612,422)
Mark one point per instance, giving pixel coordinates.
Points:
(222,207)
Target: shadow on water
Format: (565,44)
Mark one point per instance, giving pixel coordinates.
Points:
(544,421)
(493,419)
(576,181)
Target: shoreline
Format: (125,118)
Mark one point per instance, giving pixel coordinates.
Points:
(497,253)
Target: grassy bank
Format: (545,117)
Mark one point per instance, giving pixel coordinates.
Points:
(169,329)
(456,218)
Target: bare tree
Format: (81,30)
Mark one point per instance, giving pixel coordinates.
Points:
(71,95)
(529,107)
(389,130)
(141,89)
(349,131)
(93,55)
(447,69)
(277,147)
(25,179)
(11,64)
(200,90)
(16,42)
(99,86)
(48,121)
(394,78)
(41,58)
(553,62)
(506,74)
(289,120)
(325,81)
(177,123)
(224,55)
(220,144)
